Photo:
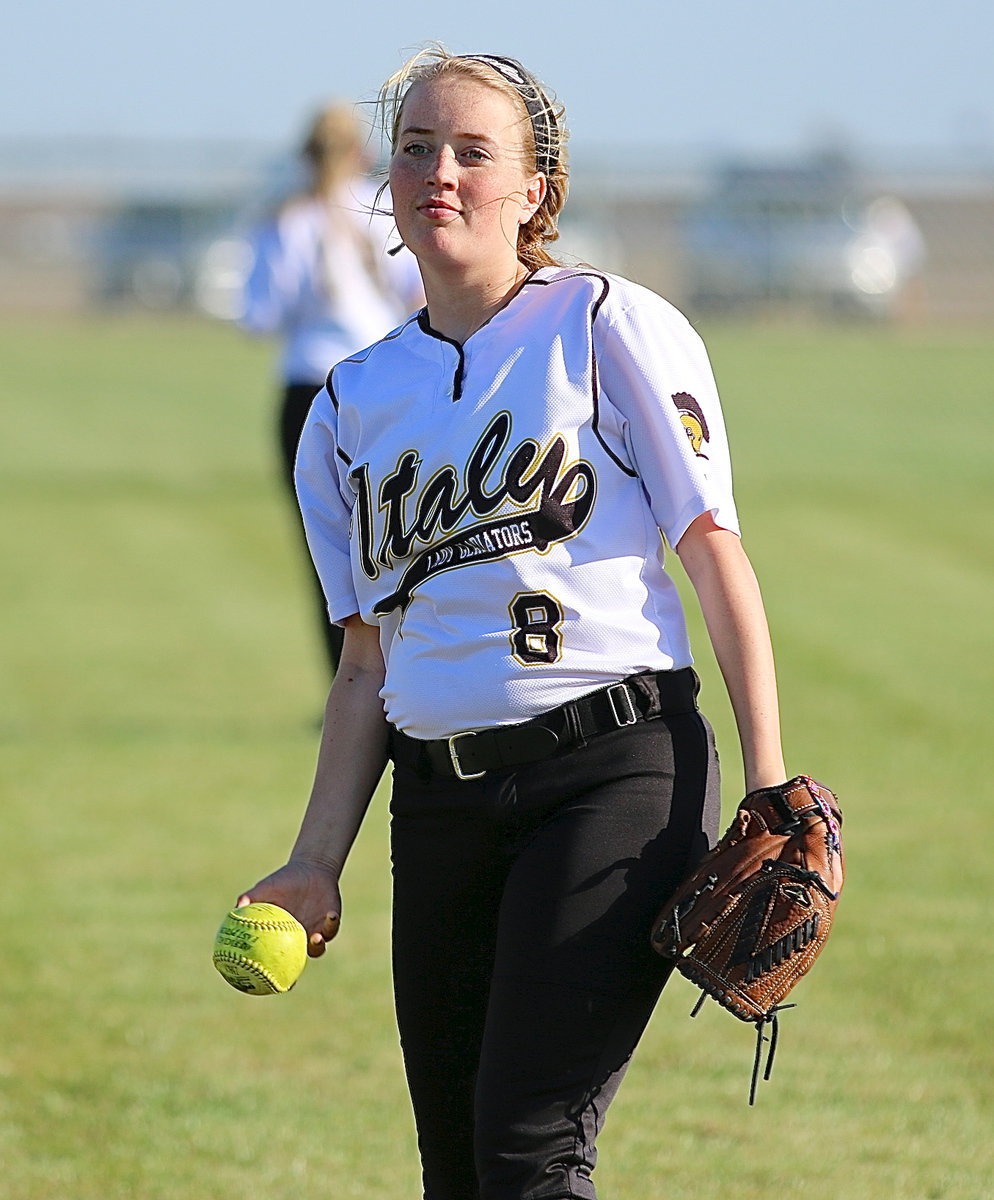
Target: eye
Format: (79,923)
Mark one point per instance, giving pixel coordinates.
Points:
(475,154)
(415,149)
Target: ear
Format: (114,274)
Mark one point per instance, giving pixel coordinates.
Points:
(535,191)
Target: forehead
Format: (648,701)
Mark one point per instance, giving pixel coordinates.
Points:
(462,105)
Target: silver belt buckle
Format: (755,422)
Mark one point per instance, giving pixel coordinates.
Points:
(454,758)
(630,715)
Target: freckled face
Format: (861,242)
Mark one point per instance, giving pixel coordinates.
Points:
(457,174)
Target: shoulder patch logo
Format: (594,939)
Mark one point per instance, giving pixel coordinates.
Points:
(692,419)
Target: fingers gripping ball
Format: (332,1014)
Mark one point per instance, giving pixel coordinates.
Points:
(260,949)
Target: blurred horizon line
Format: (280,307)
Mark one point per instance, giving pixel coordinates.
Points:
(107,166)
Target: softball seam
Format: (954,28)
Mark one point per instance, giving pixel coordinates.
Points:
(246,964)
(268,925)
(254,923)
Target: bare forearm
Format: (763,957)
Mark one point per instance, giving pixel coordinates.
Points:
(736,621)
(350,762)
(745,656)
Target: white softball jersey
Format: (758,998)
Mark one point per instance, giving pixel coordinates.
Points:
(496,507)
(321,278)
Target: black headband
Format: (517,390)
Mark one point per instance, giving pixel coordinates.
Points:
(543,119)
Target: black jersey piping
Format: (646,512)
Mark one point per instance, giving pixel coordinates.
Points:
(595,390)
(460,372)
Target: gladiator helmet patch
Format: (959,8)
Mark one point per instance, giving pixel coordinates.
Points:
(693,421)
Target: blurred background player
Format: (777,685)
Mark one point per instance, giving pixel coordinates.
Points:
(321,279)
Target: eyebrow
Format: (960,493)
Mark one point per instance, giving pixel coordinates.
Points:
(473,137)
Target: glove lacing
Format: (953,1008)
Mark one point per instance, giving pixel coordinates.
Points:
(772,1019)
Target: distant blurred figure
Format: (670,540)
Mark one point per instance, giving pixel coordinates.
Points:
(321,279)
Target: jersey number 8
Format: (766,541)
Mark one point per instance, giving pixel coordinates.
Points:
(536,636)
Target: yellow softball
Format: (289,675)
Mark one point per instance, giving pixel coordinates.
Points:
(260,949)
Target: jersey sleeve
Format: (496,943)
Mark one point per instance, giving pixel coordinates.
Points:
(326,500)
(653,368)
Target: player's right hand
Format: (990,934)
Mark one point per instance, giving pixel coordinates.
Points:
(309,891)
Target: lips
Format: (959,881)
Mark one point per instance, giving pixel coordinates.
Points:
(435,209)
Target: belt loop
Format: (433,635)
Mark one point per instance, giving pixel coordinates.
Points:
(574,724)
(626,713)
(647,686)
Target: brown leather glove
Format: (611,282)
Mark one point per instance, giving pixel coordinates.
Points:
(754,914)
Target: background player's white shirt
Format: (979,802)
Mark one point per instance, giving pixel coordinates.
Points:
(321,277)
(497,507)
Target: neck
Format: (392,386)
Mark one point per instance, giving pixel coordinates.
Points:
(460,301)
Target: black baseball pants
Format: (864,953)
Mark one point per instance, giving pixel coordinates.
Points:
(523,972)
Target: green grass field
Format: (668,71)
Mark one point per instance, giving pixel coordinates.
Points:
(161,685)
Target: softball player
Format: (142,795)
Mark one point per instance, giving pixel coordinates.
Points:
(484,493)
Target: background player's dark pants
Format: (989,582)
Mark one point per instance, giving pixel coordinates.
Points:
(295,406)
(523,972)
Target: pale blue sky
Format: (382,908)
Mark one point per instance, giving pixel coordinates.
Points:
(702,75)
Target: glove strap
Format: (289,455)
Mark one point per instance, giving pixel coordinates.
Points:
(786,808)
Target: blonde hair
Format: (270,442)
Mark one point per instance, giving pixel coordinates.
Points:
(544,135)
(333,146)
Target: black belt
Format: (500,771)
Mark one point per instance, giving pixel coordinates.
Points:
(472,754)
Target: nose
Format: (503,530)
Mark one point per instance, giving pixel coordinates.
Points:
(442,169)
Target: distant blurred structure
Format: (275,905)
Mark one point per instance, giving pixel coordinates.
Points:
(806,234)
(121,223)
(160,227)
(161,254)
